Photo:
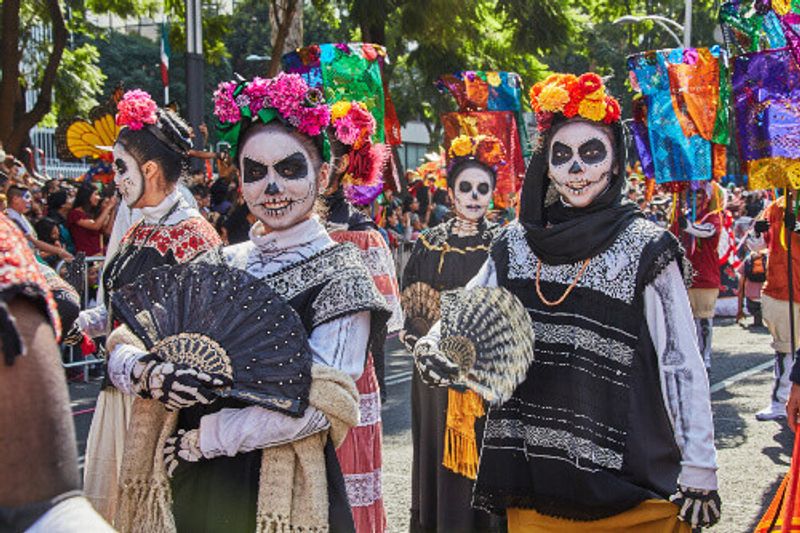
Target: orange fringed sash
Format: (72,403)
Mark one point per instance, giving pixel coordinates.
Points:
(783,514)
(460,446)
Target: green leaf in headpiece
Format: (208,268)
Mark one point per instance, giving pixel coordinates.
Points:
(267,115)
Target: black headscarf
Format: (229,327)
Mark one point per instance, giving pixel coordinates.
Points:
(559,234)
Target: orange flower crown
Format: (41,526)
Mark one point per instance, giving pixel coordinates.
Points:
(485,149)
(584,96)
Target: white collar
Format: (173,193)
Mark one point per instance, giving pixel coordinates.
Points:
(154,214)
(305,233)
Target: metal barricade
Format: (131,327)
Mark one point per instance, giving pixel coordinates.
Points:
(71,356)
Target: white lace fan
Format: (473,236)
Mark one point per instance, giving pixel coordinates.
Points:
(488,333)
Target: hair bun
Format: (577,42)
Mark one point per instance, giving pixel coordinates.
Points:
(175,129)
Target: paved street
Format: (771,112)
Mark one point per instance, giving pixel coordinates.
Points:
(753,456)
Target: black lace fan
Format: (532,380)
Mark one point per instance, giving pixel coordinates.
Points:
(489,334)
(224,321)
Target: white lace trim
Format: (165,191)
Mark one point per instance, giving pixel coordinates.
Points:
(364,490)
(370,407)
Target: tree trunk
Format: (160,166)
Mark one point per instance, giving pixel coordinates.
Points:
(286,30)
(9,43)
(15,135)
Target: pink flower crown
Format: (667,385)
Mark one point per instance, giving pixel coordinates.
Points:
(286,97)
(136,110)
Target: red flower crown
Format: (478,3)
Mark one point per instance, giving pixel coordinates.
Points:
(572,96)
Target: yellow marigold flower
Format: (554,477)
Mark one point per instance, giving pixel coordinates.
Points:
(598,95)
(340,109)
(553,98)
(592,109)
(461,146)
(493,79)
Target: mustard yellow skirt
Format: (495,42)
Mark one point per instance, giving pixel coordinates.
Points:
(651,516)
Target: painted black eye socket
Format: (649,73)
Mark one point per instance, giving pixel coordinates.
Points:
(253,171)
(560,153)
(293,167)
(593,151)
(483,188)
(120,165)
(464,186)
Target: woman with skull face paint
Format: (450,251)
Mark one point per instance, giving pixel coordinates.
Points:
(357,180)
(612,426)
(149,158)
(234,467)
(444,258)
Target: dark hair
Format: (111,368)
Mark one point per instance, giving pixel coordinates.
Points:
(407,201)
(15,191)
(464,164)
(166,142)
(83,198)
(56,200)
(44,229)
(440,197)
(199,190)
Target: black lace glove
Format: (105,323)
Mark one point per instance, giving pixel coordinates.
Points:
(184,446)
(699,508)
(174,384)
(434,368)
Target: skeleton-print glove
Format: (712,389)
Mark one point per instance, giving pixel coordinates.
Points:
(174,384)
(699,508)
(183,446)
(434,368)
(408,339)
(74,336)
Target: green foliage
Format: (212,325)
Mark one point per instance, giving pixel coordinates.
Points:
(80,80)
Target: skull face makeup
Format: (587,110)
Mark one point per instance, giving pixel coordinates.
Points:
(279,182)
(128,176)
(581,161)
(472,192)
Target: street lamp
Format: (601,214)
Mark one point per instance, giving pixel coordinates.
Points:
(661,21)
(686,29)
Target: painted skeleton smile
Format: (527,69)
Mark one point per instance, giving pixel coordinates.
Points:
(278,206)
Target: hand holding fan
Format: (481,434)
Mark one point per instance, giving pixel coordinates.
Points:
(488,333)
(223,321)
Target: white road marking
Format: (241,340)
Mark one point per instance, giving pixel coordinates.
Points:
(725,383)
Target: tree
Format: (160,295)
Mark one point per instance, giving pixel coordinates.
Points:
(286,30)
(18,25)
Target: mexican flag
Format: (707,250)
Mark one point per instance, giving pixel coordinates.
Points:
(165,53)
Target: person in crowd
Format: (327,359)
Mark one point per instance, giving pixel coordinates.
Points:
(440,208)
(59,204)
(560,455)
(149,159)
(394,227)
(772,224)
(752,275)
(446,257)
(85,227)
(47,230)
(412,223)
(40,491)
(19,203)
(700,239)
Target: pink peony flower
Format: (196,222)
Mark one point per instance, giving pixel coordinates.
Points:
(136,109)
(690,56)
(314,119)
(225,107)
(257,92)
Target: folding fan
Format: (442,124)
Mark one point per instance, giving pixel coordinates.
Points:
(488,333)
(222,320)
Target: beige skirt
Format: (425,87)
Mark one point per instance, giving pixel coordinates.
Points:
(104,448)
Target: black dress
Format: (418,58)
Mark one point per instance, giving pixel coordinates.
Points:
(440,261)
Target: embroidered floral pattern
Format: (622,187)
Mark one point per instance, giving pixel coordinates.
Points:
(185,239)
(363,489)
